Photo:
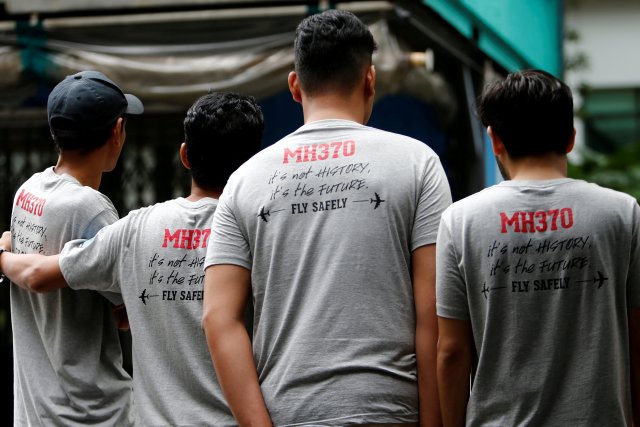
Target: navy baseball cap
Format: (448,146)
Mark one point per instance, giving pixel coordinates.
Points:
(87,103)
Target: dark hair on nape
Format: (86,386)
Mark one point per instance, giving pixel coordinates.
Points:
(332,51)
(222,131)
(530,111)
(67,137)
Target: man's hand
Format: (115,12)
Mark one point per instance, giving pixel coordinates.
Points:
(33,272)
(5,244)
(5,241)
(121,317)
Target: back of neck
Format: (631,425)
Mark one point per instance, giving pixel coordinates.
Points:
(82,167)
(333,106)
(198,192)
(551,166)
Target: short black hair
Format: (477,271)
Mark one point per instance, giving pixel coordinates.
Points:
(222,131)
(332,50)
(84,142)
(531,111)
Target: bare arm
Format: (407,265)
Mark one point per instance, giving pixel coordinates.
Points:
(634,347)
(33,272)
(226,290)
(454,369)
(424,293)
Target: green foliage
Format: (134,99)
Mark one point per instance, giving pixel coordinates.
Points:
(619,170)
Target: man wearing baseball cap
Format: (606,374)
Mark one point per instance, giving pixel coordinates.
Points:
(67,355)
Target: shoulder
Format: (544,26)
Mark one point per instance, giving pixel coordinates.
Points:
(174,208)
(91,201)
(34,184)
(399,141)
(36,177)
(159,209)
(68,192)
(475,204)
(606,193)
(485,197)
(66,197)
(143,220)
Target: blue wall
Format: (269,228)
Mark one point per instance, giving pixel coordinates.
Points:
(515,33)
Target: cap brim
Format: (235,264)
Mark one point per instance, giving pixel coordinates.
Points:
(134,104)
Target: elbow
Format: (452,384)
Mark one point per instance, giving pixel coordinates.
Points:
(213,332)
(209,323)
(453,356)
(219,327)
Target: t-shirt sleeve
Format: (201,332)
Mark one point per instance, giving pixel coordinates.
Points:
(434,198)
(633,279)
(106,216)
(102,219)
(227,243)
(451,291)
(95,263)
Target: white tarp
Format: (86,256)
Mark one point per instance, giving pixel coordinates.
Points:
(49,6)
(168,64)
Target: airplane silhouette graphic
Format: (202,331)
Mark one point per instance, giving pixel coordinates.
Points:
(377,201)
(263,214)
(485,291)
(144,296)
(599,280)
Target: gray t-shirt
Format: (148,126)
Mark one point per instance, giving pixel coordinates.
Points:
(326,220)
(154,257)
(67,358)
(545,271)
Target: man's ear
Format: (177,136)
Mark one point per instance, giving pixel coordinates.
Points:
(117,132)
(370,82)
(496,143)
(183,156)
(572,142)
(294,87)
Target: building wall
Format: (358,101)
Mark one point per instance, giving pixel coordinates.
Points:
(609,34)
(515,34)
(609,38)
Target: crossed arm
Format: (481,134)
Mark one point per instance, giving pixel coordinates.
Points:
(226,290)
(33,272)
